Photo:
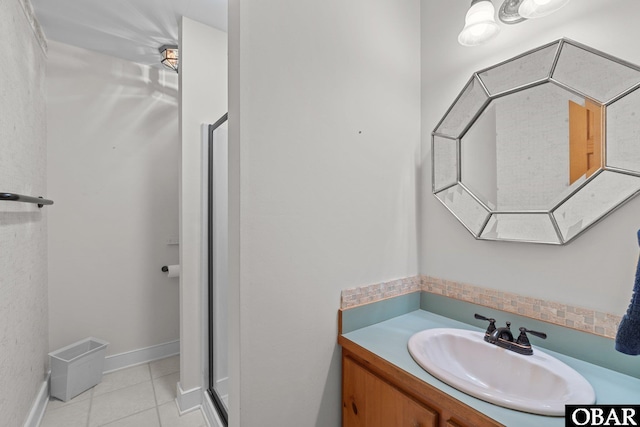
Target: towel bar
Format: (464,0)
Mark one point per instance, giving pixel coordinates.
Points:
(13,197)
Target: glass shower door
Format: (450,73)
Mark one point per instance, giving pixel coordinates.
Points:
(218,273)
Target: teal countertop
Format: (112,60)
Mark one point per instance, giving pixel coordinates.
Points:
(388,339)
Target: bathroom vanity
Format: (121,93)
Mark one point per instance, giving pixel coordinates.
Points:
(383,386)
(376,393)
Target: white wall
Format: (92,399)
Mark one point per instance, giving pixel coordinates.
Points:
(203,100)
(113,154)
(598,268)
(23,227)
(324,140)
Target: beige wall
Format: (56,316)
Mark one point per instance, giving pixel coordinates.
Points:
(23,227)
(324,139)
(597,269)
(113,154)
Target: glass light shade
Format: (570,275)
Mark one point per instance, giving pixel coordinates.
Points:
(538,8)
(479,24)
(170,57)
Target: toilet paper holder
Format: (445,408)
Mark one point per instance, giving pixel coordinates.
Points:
(171,270)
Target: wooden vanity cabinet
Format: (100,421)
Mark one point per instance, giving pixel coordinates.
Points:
(369,401)
(376,393)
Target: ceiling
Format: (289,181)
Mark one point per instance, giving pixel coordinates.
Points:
(127,29)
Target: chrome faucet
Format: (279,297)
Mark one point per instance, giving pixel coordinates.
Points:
(502,337)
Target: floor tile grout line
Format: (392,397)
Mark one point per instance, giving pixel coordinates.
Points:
(90,406)
(128,385)
(165,375)
(177,370)
(125,417)
(123,389)
(135,413)
(155,396)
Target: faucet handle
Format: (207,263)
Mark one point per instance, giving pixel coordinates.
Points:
(524,340)
(537,334)
(492,322)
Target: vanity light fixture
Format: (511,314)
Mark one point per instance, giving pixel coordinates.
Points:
(508,12)
(538,8)
(170,57)
(515,11)
(479,24)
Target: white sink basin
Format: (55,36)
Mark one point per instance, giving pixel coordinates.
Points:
(539,384)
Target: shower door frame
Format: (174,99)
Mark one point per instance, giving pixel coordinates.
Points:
(215,398)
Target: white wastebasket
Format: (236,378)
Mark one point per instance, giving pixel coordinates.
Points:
(77,367)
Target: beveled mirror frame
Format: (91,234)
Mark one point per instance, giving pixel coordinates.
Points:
(613,85)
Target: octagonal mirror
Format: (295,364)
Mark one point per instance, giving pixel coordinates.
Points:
(542,146)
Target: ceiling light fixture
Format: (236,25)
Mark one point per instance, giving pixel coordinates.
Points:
(170,57)
(479,24)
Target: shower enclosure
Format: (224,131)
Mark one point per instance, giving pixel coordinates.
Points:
(218,274)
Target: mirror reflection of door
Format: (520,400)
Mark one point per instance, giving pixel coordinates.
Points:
(585,139)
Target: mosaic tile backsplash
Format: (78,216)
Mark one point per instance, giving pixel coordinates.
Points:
(372,293)
(583,319)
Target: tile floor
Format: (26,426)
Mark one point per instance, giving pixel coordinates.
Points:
(141,396)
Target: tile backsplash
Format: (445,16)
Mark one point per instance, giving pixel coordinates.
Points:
(372,293)
(583,319)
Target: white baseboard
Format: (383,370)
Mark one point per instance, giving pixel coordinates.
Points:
(188,400)
(39,405)
(143,355)
(209,411)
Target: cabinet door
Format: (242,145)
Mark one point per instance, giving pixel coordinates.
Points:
(368,401)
